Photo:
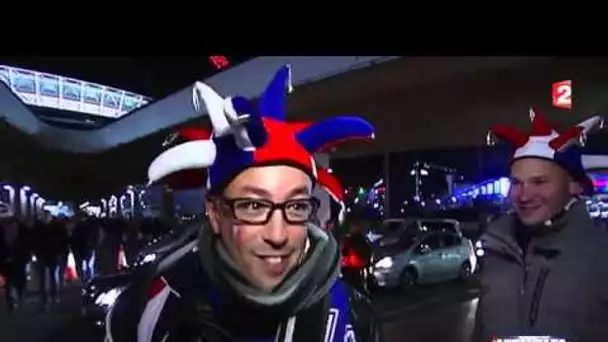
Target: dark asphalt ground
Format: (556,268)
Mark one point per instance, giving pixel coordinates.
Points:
(434,313)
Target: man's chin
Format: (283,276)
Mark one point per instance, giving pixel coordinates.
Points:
(267,284)
(266,281)
(531,220)
(529,217)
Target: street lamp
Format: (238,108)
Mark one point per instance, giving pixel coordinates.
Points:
(121,204)
(141,198)
(132,198)
(104,206)
(23,200)
(32,205)
(11,198)
(112,205)
(40,205)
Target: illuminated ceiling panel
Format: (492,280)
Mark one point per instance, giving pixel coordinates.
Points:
(64,93)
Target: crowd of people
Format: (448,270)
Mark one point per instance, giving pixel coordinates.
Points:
(34,253)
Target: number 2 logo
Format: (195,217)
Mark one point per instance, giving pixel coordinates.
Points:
(562,94)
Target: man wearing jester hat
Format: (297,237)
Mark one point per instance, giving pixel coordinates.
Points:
(263,271)
(546,264)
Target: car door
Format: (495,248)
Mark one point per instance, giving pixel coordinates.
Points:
(451,255)
(426,254)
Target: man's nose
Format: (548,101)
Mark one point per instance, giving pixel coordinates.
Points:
(275,232)
(524,193)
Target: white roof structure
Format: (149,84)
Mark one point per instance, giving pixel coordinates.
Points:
(20,89)
(58,92)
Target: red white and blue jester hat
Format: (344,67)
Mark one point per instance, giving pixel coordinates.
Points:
(244,136)
(545,142)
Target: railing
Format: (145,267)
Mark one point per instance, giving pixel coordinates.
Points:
(63,93)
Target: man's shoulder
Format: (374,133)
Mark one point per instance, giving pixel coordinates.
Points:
(362,312)
(594,239)
(359,303)
(499,226)
(501,222)
(159,293)
(185,275)
(178,276)
(351,291)
(176,268)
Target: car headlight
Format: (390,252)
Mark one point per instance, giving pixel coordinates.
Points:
(386,262)
(148,258)
(478,244)
(109,297)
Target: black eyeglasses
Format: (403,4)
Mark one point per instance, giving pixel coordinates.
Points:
(259,211)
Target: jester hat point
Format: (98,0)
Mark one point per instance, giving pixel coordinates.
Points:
(245,136)
(545,142)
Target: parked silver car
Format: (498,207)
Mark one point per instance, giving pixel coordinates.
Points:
(420,259)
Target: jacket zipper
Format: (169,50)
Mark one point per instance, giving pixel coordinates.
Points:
(537,295)
(524,281)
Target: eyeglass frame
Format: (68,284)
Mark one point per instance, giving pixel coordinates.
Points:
(230,202)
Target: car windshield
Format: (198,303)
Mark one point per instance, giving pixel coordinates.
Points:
(437,226)
(404,235)
(398,243)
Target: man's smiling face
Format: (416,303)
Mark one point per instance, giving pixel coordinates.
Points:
(539,189)
(267,250)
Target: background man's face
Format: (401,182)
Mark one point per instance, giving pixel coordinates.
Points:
(357,226)
(539,189)
(324,211)
(265,253)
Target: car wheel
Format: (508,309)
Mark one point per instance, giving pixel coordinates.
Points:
(408,279)
(465,271)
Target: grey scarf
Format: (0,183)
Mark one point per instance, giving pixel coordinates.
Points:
(304,286)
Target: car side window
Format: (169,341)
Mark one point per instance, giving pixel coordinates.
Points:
(450,240)
(429,244)
(409,231)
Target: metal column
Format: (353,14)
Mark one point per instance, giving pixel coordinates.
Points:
(387,184)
